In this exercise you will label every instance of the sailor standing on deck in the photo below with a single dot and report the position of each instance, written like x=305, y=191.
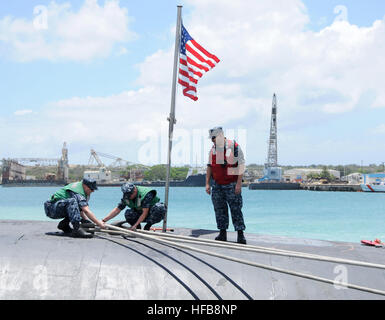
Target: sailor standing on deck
x=143, y=206
x=71, y=203
x=226, y=167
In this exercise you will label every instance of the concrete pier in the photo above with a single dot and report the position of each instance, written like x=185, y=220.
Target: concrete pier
x=332, y=187
x=36, y=264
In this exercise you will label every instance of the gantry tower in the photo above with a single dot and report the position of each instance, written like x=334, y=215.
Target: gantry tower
x=272, y=172
x=272, y=157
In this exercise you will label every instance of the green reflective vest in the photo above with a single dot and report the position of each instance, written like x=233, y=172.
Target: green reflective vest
x=137, y=202
x=62, y=193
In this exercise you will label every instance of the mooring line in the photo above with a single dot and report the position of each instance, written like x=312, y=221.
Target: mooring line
x=215, y=269
x=260, y=249
x=303, y=275
x=115, y=232
x=184, y=266
x=188, y=289
x=274, y=251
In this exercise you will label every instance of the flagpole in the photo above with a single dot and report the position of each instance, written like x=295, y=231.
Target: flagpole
x=171, y=118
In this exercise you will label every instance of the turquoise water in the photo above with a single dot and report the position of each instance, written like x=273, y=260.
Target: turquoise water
x=340, y=216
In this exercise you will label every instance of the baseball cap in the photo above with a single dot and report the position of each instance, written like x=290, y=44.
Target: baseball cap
x=128, y=189
x=215, y=132
x=90, y=184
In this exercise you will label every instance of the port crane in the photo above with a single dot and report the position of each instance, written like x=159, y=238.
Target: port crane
x=135, y=170
x=95, y=155
x=119, y=162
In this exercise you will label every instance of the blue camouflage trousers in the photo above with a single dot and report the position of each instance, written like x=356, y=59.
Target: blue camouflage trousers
x=155, y=214
x=62, y=209
x=223, y=196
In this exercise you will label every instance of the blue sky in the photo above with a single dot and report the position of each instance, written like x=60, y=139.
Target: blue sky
x=109, y=89
x=97, y=77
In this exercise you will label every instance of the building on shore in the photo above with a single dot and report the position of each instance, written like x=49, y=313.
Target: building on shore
x=100, y=176
x=13, y=171
x=374, y=178
x=301, y=174
x=353, y=178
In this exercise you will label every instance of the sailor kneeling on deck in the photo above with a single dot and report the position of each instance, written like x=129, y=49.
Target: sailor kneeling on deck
x=143, y=206
x=71, y=203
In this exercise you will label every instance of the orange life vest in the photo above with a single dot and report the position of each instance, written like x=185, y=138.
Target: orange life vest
x=224, y=164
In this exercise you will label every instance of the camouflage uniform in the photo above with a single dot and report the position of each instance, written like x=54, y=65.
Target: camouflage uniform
x=155, y=214
x=228, y=162
x=66, y=208
x=223, y=196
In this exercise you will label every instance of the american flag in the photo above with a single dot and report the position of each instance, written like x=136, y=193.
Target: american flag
x=194, y=61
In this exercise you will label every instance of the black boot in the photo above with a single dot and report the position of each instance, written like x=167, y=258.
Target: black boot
x=222, y=235
x=241, y=237
x=79, y=232
x=64, y=225
x=147, y=226
x=84, y=223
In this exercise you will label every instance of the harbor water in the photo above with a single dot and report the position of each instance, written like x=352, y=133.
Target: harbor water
x=336, y=216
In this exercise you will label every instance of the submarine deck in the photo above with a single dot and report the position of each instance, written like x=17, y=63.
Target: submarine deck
x=34, y=264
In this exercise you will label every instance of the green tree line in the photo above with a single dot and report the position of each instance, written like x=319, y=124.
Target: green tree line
x=158, y=172
x=324, y=175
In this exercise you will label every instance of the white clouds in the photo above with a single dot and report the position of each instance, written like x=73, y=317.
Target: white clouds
x=156, y=69
x=103, y=119
x=122, y=51
x=92, y=32
x=22, y=112
x=380, y=129
x=380, y=100
x=264, y=47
